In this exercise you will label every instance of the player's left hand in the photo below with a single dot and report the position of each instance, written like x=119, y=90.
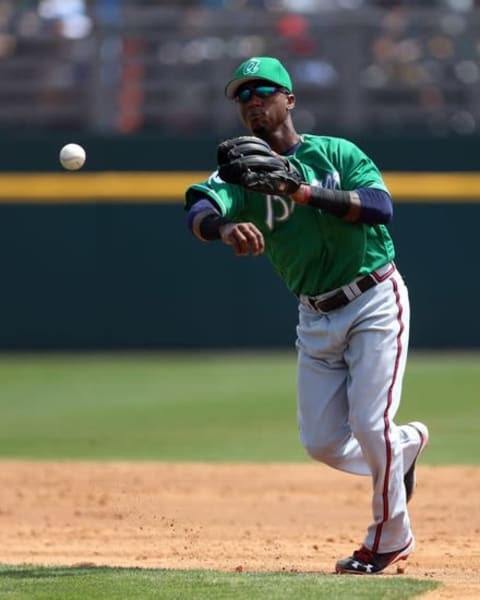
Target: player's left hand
x=249, y=161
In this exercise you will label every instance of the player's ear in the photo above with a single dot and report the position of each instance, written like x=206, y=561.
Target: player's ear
x=290, y=101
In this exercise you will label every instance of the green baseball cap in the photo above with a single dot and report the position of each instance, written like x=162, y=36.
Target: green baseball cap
x=259, y=67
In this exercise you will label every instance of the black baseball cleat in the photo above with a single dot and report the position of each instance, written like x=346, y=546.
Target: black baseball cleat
x=366, y=562
x=409, y=479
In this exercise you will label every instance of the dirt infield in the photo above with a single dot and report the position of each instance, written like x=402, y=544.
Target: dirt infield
x=229, y=517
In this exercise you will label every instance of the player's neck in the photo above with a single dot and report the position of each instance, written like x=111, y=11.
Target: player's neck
x=285, y=145
x=282, y=139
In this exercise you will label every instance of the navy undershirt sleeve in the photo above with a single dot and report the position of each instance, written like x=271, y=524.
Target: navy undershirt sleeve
x=376, y=206
x=200, y=205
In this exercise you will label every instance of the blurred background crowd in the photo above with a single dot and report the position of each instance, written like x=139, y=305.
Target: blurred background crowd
x=139, y=66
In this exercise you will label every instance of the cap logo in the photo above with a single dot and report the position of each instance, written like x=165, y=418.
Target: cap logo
x=251, y=67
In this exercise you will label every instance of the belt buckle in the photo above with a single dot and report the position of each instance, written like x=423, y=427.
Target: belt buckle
x=314, y=303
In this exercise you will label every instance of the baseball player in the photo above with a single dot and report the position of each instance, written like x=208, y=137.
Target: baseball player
x=318, y=207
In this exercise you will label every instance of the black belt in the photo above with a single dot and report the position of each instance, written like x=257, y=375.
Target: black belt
x=340, y=298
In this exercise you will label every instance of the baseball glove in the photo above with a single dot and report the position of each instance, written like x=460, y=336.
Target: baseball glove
x=248, y=161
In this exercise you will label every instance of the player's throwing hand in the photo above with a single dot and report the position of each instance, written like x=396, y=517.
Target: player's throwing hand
x=244, y=237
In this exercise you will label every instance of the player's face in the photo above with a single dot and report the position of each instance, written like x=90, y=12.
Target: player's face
x=263, y=106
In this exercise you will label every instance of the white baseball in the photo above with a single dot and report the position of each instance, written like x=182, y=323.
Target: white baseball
x=72, y=157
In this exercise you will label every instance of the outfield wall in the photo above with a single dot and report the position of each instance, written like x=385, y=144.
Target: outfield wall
x=103, y=260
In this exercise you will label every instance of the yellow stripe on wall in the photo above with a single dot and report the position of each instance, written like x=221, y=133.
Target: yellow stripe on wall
x=96, y=187
x=65, y=188
x=434, y=187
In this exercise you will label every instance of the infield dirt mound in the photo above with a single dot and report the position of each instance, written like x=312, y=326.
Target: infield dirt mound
x=244, y=517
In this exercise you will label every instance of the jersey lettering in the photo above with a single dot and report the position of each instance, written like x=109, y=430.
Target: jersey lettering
x=278, y=210
x=331, y=181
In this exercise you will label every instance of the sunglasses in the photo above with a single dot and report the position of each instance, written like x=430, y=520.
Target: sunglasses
x=261, y=91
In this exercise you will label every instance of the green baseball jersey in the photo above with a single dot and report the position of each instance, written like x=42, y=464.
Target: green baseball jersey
x=312, y=250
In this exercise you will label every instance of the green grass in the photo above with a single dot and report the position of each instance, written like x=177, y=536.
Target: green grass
x=442, y=390
x=221, y=407
x=34, y=583
x=156, y=406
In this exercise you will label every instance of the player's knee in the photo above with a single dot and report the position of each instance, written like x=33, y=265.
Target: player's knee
x=326, y=454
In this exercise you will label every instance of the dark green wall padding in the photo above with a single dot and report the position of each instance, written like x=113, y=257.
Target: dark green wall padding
x=24, y=153
x=131, y=276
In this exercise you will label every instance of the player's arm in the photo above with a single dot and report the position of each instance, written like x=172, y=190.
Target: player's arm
x=369, y=201
x=249, y=162
x=364, y=205
x=206, y=223
x=204, y=220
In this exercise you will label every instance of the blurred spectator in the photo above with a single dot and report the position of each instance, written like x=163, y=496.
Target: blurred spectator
x=138, y=65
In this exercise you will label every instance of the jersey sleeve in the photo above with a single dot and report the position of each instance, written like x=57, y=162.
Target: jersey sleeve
x=229, y=199
x=356, y=169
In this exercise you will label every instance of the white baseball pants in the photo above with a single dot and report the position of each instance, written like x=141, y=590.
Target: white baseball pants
x=351, y=363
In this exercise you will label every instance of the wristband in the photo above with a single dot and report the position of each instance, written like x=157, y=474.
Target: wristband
x=340, y=203
x=208, y=226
